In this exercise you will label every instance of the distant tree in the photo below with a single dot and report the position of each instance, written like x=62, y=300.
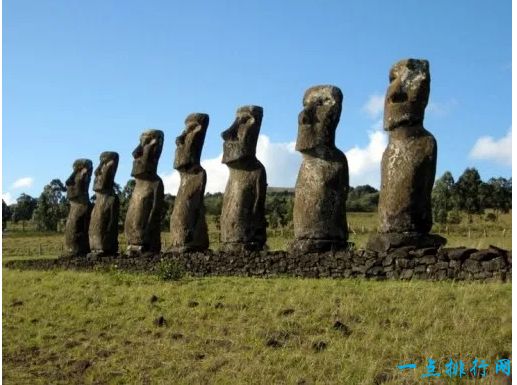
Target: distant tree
x=279, y=208
x=213, y=203
x=52, y=206
x=501, y=190
x=486, y=196
x=467, y=192
x=6, y=214
x=362, y=199
x=124, y=197
x=168, y=206
x=443, y=197
x=24, y=208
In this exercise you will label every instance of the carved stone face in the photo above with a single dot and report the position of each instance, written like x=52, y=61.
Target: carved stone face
x=240, y=140
x=190, y=143
x=318, y=120
x=147, y=154
x=408, y=94
x=77, y=184
x=105, y=172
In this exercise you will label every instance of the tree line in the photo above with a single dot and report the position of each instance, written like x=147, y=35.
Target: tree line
x=469, y=194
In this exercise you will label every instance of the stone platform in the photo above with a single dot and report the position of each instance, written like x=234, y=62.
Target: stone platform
x=404, y=263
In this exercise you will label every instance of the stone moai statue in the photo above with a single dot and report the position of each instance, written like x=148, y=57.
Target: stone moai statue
x=78, y=221
x=409, y=162
x=243, y=221
x=103, y=232
x=319, y=212
x=189, y=231
x=142, y=225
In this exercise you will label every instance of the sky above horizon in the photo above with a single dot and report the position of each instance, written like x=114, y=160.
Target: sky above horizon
x=80, y=78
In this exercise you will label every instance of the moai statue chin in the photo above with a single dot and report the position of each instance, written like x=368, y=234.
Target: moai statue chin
x=189, y=231
x=77, y=223
x=243, y=221
x=103, y=232
x=409, y=162
x=319, y=212
x=142, y=224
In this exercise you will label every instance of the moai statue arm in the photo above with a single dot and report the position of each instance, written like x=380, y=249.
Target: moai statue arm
x=155, y=213
x=260, y=188
x=198, y=202
x=114, y=213
x=346, y=177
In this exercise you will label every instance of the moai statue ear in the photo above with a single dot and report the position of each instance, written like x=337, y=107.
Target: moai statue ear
x=147, y=154
x=407, y=94
x=405, y=216
x=240, y=139
x=318, y=120
x=190, y=143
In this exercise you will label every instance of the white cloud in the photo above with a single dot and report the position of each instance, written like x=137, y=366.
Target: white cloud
x=216, y=177
x=374, y=106
x=441, y=109
x=280, y=160
x=8, y=198
x=23, y=182
x=498, y=150
x=364, y=164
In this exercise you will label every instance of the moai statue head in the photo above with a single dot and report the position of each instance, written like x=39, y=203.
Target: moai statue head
x=190, y=143
x=105, y=172
x=77, y=184
x=240, y=140
x=407, y=94
x=147, y=154
x=319, y=118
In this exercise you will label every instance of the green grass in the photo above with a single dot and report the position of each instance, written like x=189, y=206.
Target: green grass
x=480, y=234
x=100, y=328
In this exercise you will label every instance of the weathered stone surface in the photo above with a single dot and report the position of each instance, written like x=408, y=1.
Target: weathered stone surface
x=103, y=230
x=189, y=231
x=471, y=266
x=243, y=220
x=484, y=255
x=409, y=162
x=319, y=212
x=142, y=225
x=458, y=253
x=388, y=241
x=78, y=221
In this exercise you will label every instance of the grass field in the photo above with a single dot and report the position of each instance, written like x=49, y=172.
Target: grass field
x=93, y=328
x=63, y=327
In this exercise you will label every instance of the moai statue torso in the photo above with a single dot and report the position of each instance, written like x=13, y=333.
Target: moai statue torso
x=409, y=162
x=103, y=231
x=319, y=211
x=77, y=223
x=189, y=231
x=243, y=221
x=142, y=224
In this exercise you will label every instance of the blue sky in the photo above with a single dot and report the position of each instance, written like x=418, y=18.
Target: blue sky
x=82, y=77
